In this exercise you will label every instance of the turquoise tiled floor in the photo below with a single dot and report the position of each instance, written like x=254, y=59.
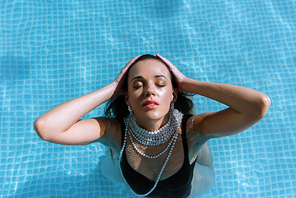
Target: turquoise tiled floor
x=53, y=51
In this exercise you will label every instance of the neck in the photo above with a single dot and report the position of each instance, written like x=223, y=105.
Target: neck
x=152, y=125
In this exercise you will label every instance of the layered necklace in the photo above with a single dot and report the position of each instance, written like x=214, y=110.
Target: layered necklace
x=152, y=138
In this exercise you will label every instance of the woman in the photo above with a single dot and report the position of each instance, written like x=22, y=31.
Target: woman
x=161, y=146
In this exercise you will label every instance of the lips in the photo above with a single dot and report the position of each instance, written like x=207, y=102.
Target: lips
x=150, y=104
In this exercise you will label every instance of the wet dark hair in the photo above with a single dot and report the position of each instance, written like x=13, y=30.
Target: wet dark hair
x=117, y=107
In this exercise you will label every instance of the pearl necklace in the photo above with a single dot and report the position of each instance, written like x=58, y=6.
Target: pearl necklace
x=177, y=121
x=150, y=138
x=174, y=121
x=153, y=138
x=173, y=140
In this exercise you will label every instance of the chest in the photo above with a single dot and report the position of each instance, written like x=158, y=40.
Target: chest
x=150, y=168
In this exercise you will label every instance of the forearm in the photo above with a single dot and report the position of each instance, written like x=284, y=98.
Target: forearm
x=240, y=99
x=63, y=116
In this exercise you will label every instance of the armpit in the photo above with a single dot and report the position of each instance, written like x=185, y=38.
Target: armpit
x=112, y=132
x=191, y=134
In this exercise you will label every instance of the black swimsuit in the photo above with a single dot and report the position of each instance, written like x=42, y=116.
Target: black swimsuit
x=177, y=185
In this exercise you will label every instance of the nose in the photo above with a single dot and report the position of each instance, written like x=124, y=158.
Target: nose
x=150, y=90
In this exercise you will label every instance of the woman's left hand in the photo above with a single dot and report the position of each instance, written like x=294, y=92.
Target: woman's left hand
x=179, y=77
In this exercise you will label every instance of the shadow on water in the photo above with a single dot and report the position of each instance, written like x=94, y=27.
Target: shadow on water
x=13, y=69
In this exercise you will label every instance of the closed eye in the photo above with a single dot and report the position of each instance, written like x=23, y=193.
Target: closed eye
x=137, y=87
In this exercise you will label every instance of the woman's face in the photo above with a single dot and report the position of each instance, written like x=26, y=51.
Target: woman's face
x=150, y=91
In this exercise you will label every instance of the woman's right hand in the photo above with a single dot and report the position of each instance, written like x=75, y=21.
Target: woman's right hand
x=119, y=80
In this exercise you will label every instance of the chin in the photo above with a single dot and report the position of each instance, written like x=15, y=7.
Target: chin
x=154, y=115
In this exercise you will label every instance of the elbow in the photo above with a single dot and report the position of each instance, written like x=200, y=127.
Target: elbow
x=264, y=104
x=39, y=126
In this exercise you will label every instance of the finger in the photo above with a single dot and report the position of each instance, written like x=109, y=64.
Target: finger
x=130, y=63
x=162, y=58
x=132, y=60
x=167, y=62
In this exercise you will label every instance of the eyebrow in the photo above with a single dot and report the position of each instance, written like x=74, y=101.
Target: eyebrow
x=141, y=77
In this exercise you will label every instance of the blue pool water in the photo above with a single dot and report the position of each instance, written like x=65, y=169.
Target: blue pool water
x=52, y=51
